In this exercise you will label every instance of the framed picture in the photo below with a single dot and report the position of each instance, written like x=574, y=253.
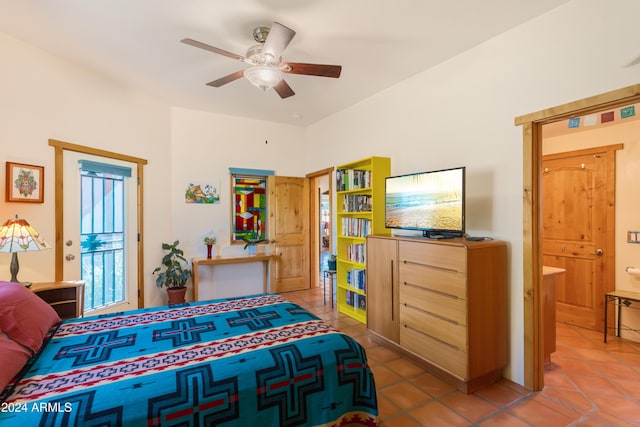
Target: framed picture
x=25, y=183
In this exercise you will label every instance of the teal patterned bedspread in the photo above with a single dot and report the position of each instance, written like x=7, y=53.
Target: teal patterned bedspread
x=251, y=361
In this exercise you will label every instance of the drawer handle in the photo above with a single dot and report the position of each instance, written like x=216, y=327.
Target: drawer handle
x=435, y=267
x=433, y=291
x=392, y=302
x=454, y=347
x=428, y=313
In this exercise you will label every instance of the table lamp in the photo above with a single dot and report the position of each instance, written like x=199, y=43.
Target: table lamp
x=16, y=235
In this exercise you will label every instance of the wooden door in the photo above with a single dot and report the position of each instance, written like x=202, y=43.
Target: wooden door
x=382, y=287
x=578, y=191
x=288, y=228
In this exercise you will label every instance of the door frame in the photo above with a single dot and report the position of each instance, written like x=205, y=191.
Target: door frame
x=59, y=148
x=314, y=221
x=532, y=227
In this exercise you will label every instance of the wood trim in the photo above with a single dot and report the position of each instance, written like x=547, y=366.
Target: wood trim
x=532, y=238
x=321, y=172
x=314, y=255
x=587, y=151
x=59, y=147
x=629, y=94
x=232, y=212
x=96, y=151
x=533, y=328
x=140, y=188
x=313, y=196
x=331, y=210
x=59, y=215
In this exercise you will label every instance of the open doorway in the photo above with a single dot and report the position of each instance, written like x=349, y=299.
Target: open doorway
x=325, y=226
x=321, y=222
x=578, y=223
x=532, y=227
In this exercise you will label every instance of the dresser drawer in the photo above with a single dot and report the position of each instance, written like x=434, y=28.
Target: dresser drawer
x=445, y=281
x=438, y=303
x=441, y=354
x=443, y=257
x=437, y=327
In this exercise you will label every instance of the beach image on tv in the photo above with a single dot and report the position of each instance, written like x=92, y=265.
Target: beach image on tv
x=425, y=201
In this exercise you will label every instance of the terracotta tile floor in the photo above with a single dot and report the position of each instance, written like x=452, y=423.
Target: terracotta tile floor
x=588, y=383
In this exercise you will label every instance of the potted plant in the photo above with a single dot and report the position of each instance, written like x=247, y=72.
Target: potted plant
x=172, y=274
x=250, y=242
x=209, y=240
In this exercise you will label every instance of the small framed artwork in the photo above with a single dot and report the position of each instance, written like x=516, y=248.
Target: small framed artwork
x=25, y=183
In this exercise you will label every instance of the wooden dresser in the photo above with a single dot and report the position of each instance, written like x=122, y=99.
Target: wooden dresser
x=443, y=302
x=66, y=298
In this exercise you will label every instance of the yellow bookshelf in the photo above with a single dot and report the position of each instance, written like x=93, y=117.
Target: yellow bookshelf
x=360, y=212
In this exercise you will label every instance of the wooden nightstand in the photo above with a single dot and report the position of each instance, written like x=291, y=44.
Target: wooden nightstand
x=66, y=298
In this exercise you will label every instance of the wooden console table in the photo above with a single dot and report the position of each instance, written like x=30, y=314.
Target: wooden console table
x=225, y=259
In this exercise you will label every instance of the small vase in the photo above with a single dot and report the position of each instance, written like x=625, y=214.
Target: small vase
x=209, y=248
x=252, y=249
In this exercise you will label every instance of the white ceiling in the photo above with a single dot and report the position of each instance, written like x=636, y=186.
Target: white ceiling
x=377, y=42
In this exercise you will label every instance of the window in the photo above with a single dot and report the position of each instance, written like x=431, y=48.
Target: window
x=249, y=203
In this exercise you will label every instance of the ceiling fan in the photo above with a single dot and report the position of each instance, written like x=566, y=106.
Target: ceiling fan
x=635, y=61
x=265, y=58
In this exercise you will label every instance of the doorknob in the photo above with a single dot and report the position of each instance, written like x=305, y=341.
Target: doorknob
x=599, y=252
x=70, y=257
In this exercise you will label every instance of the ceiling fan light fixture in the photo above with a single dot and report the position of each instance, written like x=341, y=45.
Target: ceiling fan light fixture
x=263, y=77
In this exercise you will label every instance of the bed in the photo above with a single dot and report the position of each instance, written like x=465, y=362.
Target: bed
x=252, y=361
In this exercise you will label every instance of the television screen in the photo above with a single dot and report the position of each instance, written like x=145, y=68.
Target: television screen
x=429, y=201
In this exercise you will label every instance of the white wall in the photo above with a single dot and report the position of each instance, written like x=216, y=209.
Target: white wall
x=44, y=97
x=462, y=113
x=205, y=146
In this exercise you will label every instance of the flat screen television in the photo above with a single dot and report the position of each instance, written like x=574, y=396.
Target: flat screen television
x=432, y=202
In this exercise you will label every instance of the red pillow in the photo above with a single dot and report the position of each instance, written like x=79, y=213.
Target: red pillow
x=24, y=316
x=12, y=358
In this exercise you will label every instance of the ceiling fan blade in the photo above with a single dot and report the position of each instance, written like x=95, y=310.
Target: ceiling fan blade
x=277, y=41
x=636, y=61
x=226, y=79
x=283, y=89
x=212, y=49
x=311, y=69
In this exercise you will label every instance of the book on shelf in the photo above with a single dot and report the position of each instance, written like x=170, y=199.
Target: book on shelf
x=356, y=203
x=356, y=278
x=352, y=179
x=356, y=227
x=361, y=302
x=356, y=300
x=357, y=253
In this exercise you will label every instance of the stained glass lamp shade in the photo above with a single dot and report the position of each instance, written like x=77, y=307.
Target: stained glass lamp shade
x=17, y=235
